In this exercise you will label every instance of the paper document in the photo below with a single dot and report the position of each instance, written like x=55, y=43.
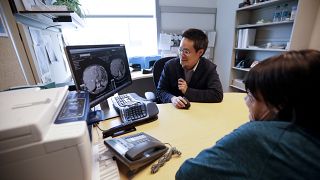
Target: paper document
x=104, y=167
x=165, y=41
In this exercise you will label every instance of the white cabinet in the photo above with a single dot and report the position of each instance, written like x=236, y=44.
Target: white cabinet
x=259, y=36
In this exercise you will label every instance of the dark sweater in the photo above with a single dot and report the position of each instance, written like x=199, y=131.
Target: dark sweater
x=204, y=86
x=258, y=150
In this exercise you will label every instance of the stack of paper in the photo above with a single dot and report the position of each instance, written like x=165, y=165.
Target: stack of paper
x=104, y=167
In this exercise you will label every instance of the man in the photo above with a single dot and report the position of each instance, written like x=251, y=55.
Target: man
x=191, y=75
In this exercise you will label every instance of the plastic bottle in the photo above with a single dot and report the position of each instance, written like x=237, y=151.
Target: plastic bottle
x=293, y=12
x=285, y=13
x=277, y=14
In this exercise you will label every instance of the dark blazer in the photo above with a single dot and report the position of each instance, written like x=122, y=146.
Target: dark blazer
x=204, y=86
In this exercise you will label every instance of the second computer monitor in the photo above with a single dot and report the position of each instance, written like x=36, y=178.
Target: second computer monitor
x=102, y=70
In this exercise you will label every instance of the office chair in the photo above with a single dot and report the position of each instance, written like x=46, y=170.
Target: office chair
x=156, y=73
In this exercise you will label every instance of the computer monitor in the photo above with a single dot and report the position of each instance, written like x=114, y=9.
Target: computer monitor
x=102, y=70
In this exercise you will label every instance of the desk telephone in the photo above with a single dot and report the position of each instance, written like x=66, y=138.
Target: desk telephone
x=136, y=151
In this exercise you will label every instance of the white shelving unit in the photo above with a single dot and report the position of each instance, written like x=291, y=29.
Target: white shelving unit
x=262, y=49
x=241, y=69
x=59, y=19
x=50, y=18
x=263, y=24
x=270, y=38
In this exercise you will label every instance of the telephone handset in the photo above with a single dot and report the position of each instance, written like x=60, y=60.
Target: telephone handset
x=136, y=151
x=143, y=148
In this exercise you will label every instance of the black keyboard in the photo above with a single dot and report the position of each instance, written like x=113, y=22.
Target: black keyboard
x=133, y=108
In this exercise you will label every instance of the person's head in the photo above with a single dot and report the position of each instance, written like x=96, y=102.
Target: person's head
x=193, y=45
x=285, y=87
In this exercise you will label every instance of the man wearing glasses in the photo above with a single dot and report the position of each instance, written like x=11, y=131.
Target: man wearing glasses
x=190, y=75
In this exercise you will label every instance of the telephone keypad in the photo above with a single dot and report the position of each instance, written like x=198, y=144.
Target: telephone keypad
x=132, y=141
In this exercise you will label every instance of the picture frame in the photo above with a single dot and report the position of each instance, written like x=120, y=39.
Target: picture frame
x=3, y=30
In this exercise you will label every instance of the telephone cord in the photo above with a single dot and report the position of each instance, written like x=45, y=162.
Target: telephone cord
x=163, y=159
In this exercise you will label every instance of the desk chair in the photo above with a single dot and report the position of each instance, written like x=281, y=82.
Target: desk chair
x=156, y=73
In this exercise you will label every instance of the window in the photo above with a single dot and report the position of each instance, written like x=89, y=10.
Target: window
x=128, y=22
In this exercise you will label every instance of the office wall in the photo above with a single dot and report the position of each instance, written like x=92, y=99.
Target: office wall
x=13, y=72
x=184, y=3
x=315, y=38
x=8, y=62
x=196, y=16
x=225, y=39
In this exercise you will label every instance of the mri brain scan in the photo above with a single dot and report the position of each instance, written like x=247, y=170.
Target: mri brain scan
x=118, y=69
x=95, y=78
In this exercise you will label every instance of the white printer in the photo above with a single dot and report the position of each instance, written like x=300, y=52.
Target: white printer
x=33, y=146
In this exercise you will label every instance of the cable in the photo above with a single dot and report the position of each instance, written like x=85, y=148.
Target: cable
x=96, y=124
x=165, y=158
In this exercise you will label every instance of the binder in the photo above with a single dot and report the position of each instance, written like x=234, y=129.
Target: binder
x=248, y=37
x=240, y=32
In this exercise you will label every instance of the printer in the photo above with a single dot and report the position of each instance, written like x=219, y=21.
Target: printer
x=33, y=145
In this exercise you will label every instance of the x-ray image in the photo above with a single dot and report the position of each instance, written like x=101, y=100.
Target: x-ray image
x=95, y=79
x=117, y=68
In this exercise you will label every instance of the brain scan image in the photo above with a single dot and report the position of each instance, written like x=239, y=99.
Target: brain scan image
x=95, y=78
x=117, y=68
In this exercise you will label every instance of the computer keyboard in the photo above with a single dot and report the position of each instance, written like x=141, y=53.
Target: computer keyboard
x=135, y=109
x=123, y=100
x=135, y=112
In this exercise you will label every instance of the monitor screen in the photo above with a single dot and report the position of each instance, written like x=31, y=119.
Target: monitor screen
x=102, y=70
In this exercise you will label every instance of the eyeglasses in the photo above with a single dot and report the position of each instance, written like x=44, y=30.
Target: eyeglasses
x=184, y=51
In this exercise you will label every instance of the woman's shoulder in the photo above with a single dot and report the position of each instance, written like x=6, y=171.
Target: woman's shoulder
x=271, y=132
x=260, y=126
x=260, y=130
x=265, y=127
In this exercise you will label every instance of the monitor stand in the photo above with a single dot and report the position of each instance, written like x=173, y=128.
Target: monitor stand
x=108, y=110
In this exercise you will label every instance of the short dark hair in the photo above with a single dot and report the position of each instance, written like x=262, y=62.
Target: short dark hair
x=289, y=82
x=199, y=38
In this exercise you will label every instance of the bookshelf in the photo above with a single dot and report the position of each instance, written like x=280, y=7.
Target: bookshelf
x=269, y=38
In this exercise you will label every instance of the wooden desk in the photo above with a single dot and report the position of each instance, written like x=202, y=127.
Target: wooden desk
x=190, y=131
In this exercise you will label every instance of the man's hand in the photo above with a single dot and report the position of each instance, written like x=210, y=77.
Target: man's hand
x=182, y=85
x=178, y=102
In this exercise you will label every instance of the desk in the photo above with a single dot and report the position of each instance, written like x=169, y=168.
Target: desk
x=190, y=131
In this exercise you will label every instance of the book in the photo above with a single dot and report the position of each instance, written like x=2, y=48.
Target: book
x=248, y=37
x=240, y=32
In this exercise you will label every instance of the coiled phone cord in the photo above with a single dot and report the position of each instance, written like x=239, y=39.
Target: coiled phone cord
x=163, y=159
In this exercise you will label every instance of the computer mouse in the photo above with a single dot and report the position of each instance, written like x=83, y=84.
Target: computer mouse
x=187, y=105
